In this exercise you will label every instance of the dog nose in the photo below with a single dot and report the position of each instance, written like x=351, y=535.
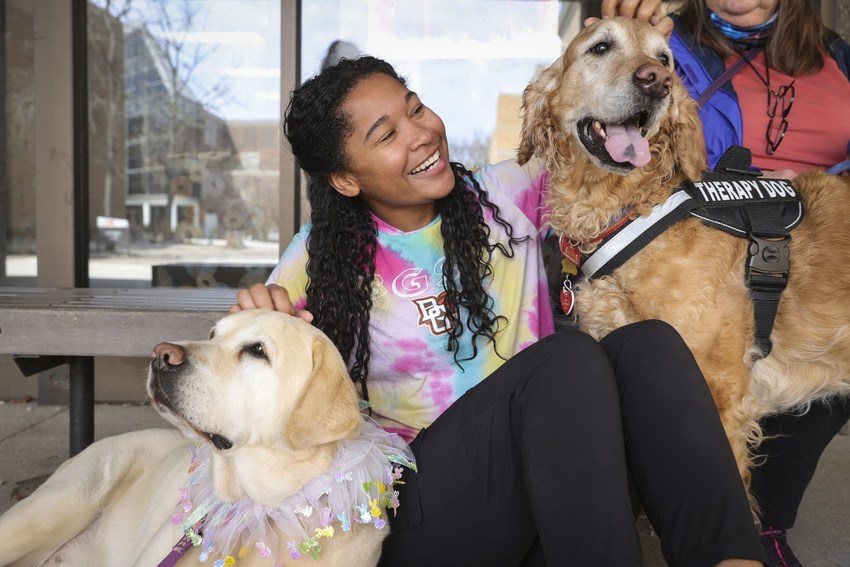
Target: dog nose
x=168, y=356
x=655, y=80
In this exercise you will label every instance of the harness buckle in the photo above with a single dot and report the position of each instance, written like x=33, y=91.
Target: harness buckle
x=767, y=277
x=768, y=256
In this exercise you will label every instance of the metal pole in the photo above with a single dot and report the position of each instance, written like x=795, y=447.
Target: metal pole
x=5, y=217
x=289, y=207
x=80, y=96
x=81, y=401
x=297, y=173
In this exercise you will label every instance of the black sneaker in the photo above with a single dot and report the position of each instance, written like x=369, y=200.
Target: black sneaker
x=779, y=554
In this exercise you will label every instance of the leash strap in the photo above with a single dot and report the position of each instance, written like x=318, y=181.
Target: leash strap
x=192, y=536
x=839, y=167
x=765, y=293
x=727, y=75
x=177, y=552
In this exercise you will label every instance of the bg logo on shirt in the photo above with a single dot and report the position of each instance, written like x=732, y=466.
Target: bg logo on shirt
x=432, y=312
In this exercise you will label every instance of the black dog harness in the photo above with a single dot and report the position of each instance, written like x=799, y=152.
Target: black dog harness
x=734, y=199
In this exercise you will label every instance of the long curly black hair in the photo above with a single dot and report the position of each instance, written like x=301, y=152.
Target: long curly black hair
x=343, y=239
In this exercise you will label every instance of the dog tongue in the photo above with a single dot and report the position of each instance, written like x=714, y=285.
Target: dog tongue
x=625, y=143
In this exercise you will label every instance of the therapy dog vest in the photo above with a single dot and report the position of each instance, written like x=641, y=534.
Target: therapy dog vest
x=734, y=199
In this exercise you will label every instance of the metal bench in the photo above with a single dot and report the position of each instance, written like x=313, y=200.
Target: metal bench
x=45, y=327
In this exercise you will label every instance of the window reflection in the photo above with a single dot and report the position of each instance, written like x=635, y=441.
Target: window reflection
x=842, y=19
x=185, y=106
x=17, y=181
x=192, y=136
x=468, y=59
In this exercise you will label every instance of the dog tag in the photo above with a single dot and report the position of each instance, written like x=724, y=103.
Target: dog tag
x=568, y=268
x=567, y=298
x=570, y=251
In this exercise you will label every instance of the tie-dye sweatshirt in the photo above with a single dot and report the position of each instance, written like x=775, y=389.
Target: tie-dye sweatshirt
x=412, y=377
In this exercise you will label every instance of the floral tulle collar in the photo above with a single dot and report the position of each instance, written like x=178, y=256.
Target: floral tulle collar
x=357, y=488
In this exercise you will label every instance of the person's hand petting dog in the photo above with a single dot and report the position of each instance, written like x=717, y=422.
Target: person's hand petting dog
x=271, y=297
x=644, y=10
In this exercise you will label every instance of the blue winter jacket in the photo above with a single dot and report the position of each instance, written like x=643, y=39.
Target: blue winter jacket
x=698, y=67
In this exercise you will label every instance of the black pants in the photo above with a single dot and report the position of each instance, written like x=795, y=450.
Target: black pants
x=545, y=445
x=792, y=453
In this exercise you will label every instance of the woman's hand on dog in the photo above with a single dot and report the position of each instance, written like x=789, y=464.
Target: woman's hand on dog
x=270, y=296
x=644, y=10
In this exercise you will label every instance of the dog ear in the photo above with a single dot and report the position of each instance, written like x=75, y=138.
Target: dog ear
x=537, y=127
x=327, y=409
x=682, y=130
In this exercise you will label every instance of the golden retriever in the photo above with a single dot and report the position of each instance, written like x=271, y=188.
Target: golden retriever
x=616, y=79
x=272, y=395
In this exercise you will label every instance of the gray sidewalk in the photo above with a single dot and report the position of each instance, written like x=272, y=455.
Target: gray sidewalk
x=34, y=441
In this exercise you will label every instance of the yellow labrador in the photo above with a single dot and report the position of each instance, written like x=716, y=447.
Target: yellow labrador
x=271, y=404
x=618, y=132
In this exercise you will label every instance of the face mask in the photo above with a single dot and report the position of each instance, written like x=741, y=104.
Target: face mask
x=745, y=37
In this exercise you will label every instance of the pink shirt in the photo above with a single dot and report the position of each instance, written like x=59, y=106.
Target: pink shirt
x=818, y=122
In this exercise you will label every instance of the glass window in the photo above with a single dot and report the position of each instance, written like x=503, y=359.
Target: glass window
x=135, y=127
x=182, y=96
x=134, y=156
x=469, y=60
x=842, y=19
x=135, y=183
x=17, y=170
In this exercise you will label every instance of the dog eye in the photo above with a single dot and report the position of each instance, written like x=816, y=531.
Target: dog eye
x=600, y=48
x=664, y=58
x=256, y=350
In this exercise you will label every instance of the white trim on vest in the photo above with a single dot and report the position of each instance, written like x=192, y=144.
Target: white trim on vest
x=632, y=231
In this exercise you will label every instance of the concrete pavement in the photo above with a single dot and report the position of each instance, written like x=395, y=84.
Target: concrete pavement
x=34, y=441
